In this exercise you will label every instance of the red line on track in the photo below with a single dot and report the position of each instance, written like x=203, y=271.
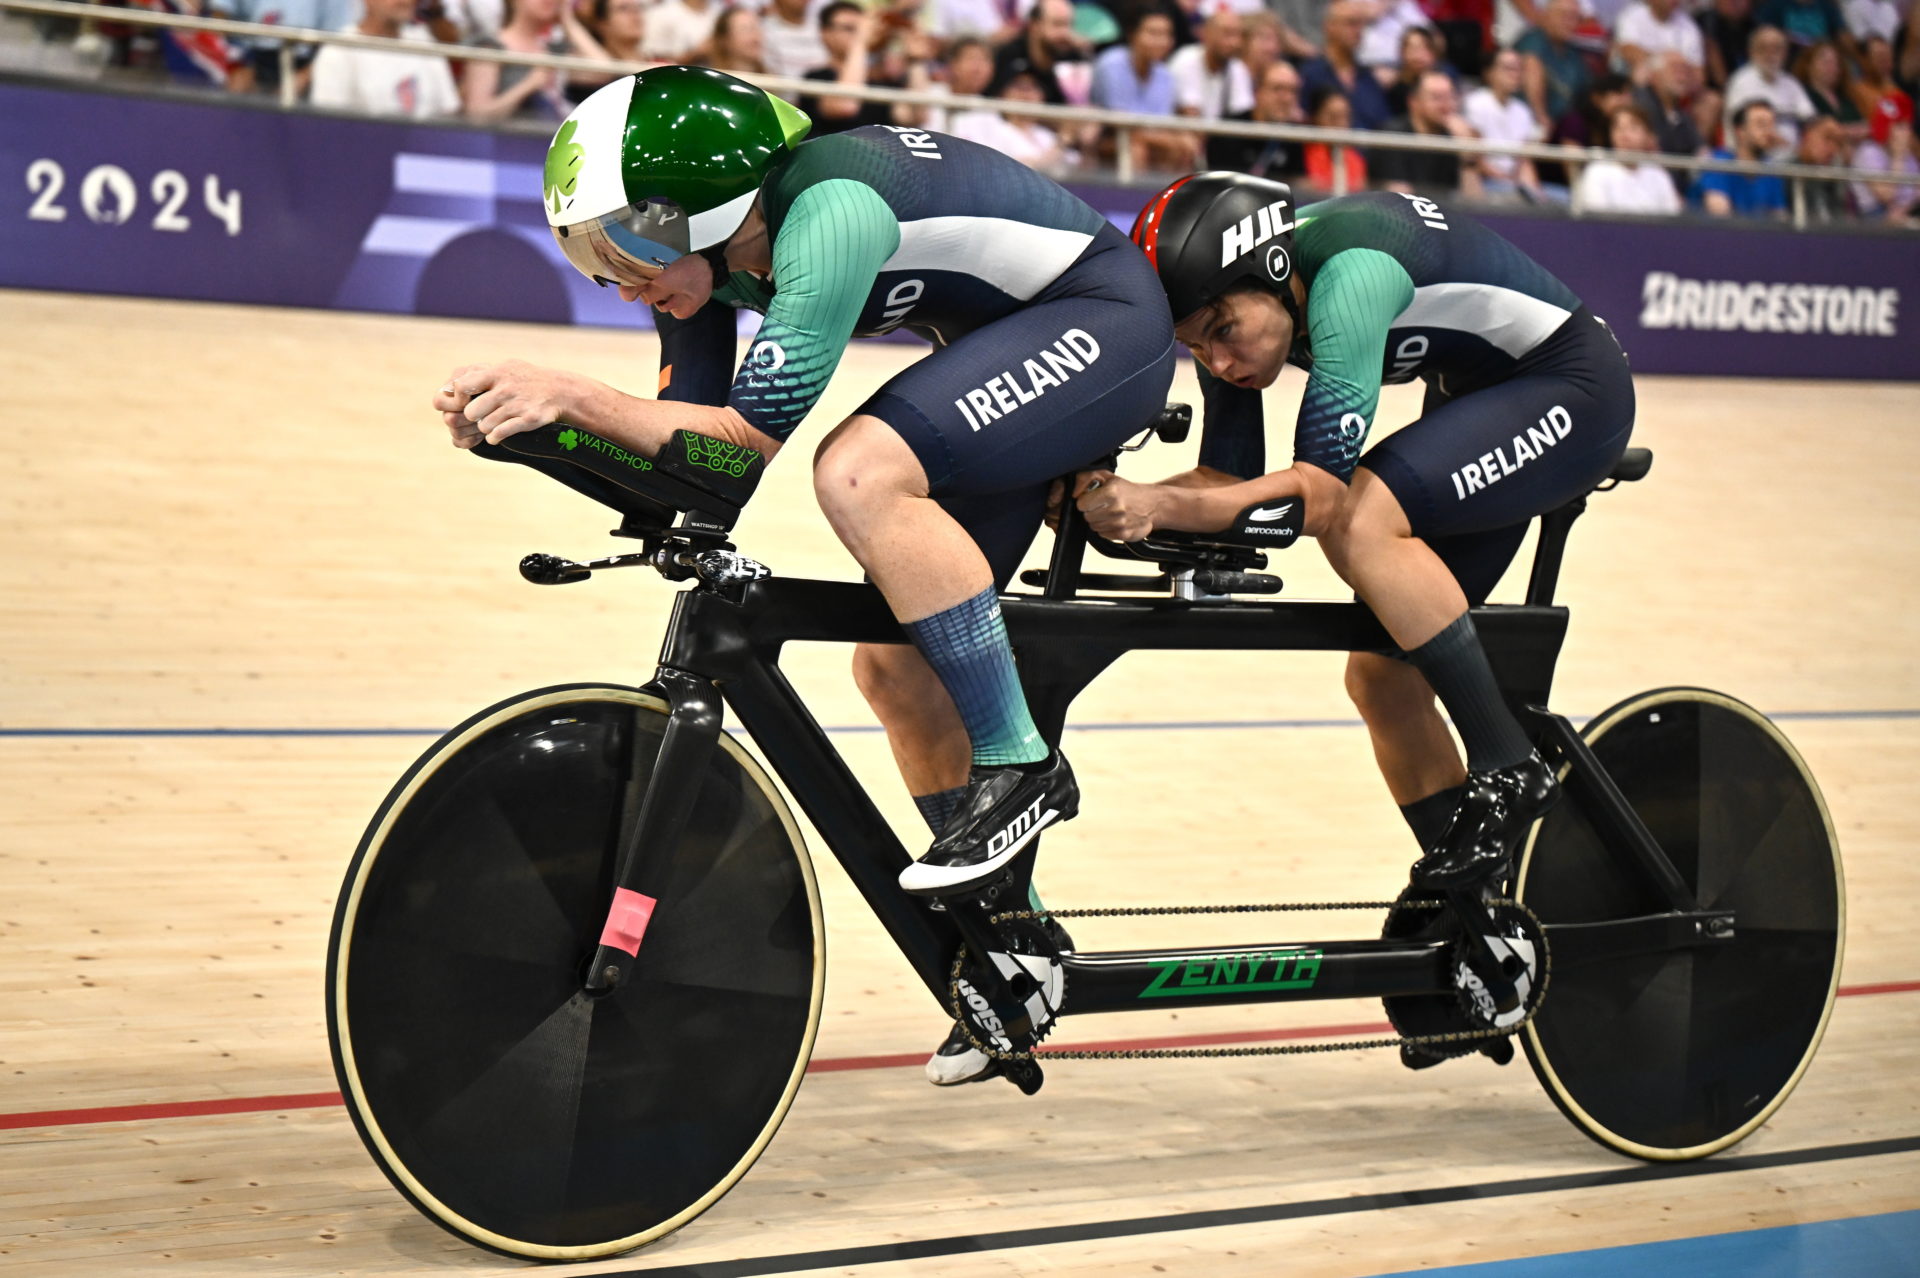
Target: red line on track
x=324, y=1100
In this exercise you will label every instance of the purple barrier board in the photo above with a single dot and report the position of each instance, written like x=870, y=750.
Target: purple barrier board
x=221, y=202
x=225, y=202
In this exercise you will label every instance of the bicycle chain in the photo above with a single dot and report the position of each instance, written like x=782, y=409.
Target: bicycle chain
x=956, y=1005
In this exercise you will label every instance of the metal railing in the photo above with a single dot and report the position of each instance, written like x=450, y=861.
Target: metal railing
x=1123, y=123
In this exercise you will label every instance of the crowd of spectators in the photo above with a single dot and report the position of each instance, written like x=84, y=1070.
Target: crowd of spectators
x=1822, y=82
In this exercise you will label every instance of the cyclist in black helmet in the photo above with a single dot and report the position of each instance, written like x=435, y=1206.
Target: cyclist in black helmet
x=1528, y=404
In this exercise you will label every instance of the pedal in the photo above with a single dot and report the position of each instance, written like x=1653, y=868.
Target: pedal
x=1025, y=1075
x=1498, y=1050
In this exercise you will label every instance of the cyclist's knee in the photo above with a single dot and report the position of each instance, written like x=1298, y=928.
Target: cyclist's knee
x=863, y=460
x=1367, y=518
x=1384, y=689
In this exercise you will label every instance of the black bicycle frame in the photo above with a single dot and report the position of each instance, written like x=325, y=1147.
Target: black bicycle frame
x=730, y=638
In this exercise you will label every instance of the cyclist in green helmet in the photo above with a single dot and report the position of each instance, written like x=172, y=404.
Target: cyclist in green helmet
x=700, y=195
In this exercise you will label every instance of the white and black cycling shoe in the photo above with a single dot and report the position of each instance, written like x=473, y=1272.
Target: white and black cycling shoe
x=958, y=1061
x=1002, y=812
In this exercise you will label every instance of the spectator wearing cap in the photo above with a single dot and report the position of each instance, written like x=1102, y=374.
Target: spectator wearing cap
x=676, y=29
x=1042, y=46
x=1617, y=186
x=1890, y=149
x=1339, y=66
x=1133, y=76
x=1025, y=138
x=1330, y=110
x=1765, y=79
x=847, y=31
x=1823, y=144
x=1276, y=100
x=1555, y=73
x=1743, y=194
x=1498, y=113
x=381, y=82
x=790, y=37
x=1209, y=79
x=1432, y=111
x=1726, y=28
x=1650, y=27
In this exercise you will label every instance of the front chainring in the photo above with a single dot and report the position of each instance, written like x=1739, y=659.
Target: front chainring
x=1008, y=1011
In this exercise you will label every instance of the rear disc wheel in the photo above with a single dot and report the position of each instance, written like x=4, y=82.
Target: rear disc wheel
x=1681, y=1053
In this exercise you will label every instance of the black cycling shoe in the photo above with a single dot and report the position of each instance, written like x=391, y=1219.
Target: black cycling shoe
x=1003, y=810
x=1497, y=1050
x=1494, y=815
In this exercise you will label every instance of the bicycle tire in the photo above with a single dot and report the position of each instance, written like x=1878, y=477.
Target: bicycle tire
x=500, y=1099
x=1679, y=1054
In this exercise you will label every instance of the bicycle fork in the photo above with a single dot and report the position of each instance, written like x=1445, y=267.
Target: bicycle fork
x=667, y=798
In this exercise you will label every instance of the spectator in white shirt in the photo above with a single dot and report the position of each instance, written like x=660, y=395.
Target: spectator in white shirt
x=1611, y=186
x=1024, y=138
x=379, y=82
x=1655, y=26
x=790, y=35
x=1765, y=79
x=675, y=29
x=1868, y=18
x=987, y=20
x=1209, y=79
x=1498, y=113
x=1380, y=45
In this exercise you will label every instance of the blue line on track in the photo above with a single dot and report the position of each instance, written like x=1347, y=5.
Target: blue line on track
x=1864, y=1247
x=855, y=729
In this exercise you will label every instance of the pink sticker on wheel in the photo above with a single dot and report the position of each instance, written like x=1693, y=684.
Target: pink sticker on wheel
x=627, y=920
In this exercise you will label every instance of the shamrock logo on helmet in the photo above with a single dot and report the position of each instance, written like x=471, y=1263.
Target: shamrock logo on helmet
x=563, y=165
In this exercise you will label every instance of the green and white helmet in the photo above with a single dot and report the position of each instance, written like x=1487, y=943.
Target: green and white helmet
x=660, y=164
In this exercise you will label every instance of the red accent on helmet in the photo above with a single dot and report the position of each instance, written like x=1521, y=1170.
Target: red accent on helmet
x=1146, y=227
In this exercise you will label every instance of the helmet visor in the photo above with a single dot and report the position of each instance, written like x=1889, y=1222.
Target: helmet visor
x=627, y=245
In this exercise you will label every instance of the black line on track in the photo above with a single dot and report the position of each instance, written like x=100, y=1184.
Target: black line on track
x=1053, y=1235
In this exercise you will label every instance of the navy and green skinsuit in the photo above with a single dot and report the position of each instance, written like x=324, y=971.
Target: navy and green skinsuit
x=1053, y=343
x=1529, y=402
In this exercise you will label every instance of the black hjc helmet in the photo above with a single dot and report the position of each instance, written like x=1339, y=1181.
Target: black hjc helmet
x=1212, y=232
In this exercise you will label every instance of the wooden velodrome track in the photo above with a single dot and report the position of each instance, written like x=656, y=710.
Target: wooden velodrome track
x=245, y=519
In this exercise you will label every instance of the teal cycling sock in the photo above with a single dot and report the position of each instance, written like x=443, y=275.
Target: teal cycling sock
x=967, y=647
x=1456, y=665
x=937, y=807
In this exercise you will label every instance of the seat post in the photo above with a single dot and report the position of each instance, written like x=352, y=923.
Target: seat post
x=1554, y=526
x=1069, y=547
